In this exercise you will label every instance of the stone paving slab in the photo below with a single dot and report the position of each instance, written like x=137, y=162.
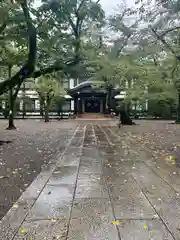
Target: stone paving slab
x=63, y=175
x=90, y=166
x=129, y=201
x=53, y=202
x=169, y=172
x=43, y=229
x=91, y=186
x=143, y=229
x=92, y=219
x=70, y=158
x=151, y=183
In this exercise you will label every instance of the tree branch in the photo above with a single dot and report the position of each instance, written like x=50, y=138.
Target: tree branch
x=170, y=30
x=80, y=5
x=124, y=44
x=28, y=67
x=3, y=26
x=16, y=91
x=54, y=68
x=155, y=61
x=160, y=38
x=51, y=97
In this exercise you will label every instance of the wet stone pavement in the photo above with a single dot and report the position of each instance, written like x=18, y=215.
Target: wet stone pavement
x=100, y=188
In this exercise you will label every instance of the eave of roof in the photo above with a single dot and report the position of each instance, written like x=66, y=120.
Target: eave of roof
x=84, y=84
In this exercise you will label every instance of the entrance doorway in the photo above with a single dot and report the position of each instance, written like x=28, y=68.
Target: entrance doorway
x=92, y=105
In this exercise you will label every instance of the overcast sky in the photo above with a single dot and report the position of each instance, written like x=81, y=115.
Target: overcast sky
x=108, y=5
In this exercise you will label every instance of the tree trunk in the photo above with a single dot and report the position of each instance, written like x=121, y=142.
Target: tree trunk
x=46, y=111
x=124, y=117
x=12, y=99
x=41, y=110
x=109, y=99
x=135, y=111
x=24, y=105
x=24, y=110
x=60, y=116
x=178, y=109
x=11, y=125
x=29, y=66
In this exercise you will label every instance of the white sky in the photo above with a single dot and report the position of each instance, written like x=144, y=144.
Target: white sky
x=110, y=5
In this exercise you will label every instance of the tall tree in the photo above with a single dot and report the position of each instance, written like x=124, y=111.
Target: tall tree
x=28, y=67
x=161, y=27
x=65, y=23
x=122, y=33
x=48, y=89
x=13, y=51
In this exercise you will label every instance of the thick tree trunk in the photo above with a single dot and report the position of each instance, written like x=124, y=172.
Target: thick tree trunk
x=124, y=116
x=28, y=68
x=46, y=112
x=11, y=125
x=125, y=119
x=11, y=121
x=46, y=116
x=12, y=100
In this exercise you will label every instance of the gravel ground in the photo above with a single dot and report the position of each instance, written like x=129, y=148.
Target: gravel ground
x=160, y=138
x=32, y=145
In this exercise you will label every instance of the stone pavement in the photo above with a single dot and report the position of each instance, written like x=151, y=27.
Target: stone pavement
x=99, y=188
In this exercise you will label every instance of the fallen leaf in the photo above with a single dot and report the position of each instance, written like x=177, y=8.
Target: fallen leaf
x=53, y=220
x=145, y=226
x=15, y=206
x=22, y=230
x=116, y=222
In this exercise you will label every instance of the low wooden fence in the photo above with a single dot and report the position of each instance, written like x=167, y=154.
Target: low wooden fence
x=37, y=115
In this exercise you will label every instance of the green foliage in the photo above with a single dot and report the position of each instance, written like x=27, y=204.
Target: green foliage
x=63, y=27
x=48, y=88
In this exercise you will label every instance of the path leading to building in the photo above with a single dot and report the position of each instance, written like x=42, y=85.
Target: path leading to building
x=104, y=186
